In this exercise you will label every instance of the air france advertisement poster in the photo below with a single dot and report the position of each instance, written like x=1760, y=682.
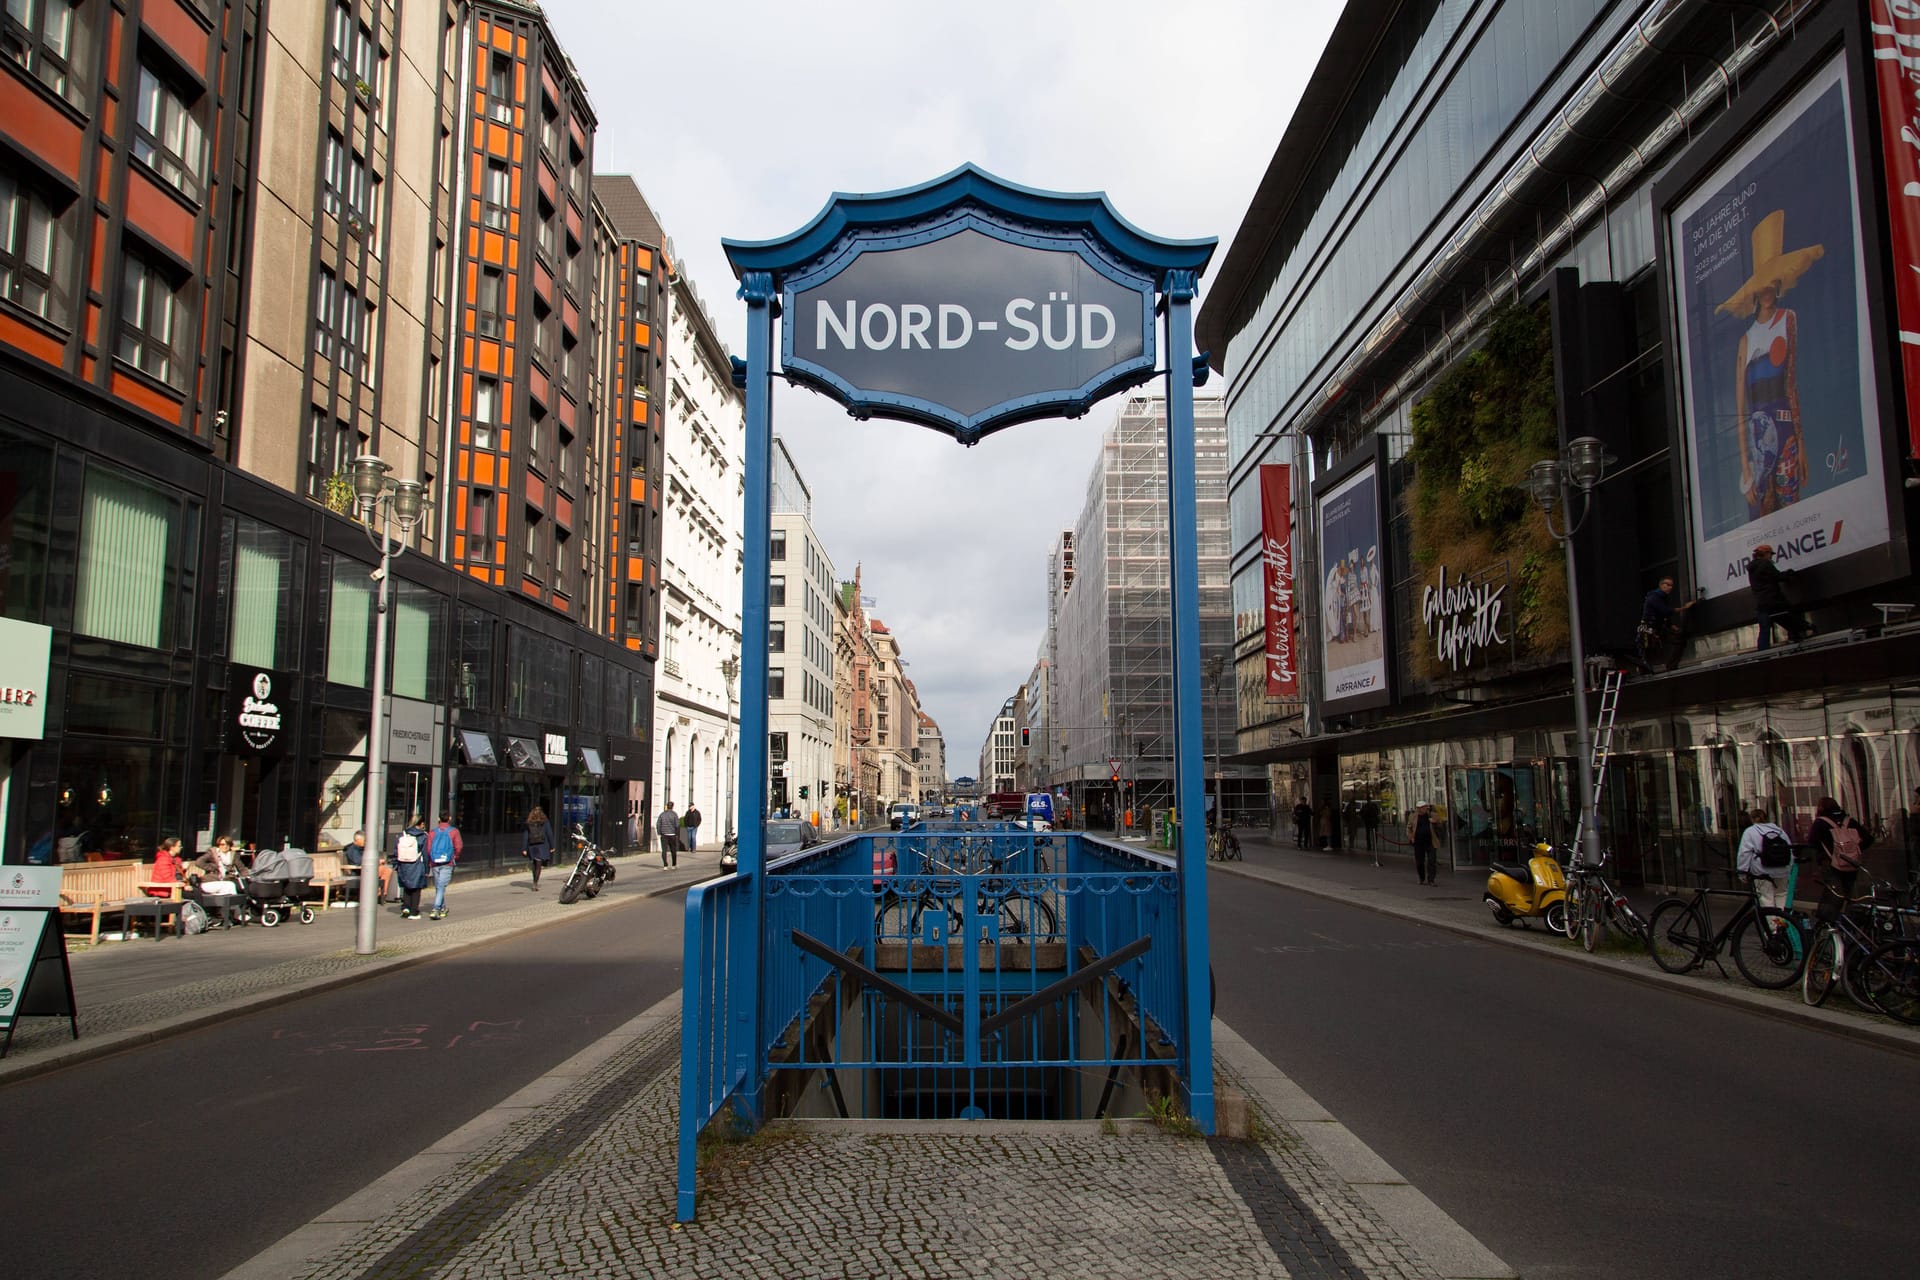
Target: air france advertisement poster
x=1353, y=625
x=1776, y=370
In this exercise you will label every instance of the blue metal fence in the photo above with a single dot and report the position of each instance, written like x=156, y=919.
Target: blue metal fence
x=957, y=970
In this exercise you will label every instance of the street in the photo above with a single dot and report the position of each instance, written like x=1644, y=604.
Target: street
x=1579, y=1124
x=186, y=1157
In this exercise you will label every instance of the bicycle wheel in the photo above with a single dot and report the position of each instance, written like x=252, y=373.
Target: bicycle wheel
x=1823, y=966
x=1766, y=950
x=1677, y=936
x=1892, y=978
x=1622, y=916
x=1579, y=897
x=1593, y=919
x=893, y=917
x=1027, y=919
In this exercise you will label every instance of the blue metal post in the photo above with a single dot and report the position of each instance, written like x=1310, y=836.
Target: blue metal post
x=743, y=969
x=1190, y=779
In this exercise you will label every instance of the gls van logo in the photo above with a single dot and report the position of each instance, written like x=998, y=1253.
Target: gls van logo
x=1787, y=550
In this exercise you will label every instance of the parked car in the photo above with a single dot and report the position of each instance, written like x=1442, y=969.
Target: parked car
x=788, y=835
x=901, y=814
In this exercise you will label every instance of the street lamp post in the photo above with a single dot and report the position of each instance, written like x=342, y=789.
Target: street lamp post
x=1552, y=482
x=392, y=503
x=730, y=672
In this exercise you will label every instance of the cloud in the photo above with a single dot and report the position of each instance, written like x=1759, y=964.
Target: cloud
x=741, y=120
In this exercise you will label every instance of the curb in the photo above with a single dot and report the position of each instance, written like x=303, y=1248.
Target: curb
x=75, y=1052
x=1847, y=1026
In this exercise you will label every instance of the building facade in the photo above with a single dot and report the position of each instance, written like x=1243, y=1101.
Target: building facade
x=933, y=761
x=996, y=753
x=1712, y=298
x=1109, y=743
x=800, y=645
x=246, y=244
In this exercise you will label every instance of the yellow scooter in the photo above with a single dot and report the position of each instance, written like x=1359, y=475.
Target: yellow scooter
x=1536, y=891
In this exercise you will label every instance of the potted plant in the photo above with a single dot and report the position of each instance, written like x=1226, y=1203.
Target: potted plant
x=336, y=491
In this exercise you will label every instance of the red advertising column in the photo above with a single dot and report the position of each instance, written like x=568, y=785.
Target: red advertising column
x=1895, y=28
x=1276, y=525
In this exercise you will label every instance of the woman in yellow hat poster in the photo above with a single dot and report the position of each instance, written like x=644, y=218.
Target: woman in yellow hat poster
x=1766, y=396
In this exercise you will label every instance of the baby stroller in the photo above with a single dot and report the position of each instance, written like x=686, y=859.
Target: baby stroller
x=279, y=884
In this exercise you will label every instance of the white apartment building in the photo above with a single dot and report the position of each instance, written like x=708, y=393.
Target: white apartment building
x=933, y=761
x=700, y=569
x=800, y=658
x=996, y=755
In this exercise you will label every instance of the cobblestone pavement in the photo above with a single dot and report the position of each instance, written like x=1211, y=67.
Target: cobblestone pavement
x=581, y=1184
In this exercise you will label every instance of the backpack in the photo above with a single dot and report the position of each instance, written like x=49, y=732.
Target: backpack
x=408, y=849
x=193, y=917
x=1775, y=850
x=440, y=851
x=1848, y=853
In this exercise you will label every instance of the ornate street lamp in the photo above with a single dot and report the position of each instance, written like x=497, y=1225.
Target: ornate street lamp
x=730, y=672
x=1553, y=482
x=384, y=504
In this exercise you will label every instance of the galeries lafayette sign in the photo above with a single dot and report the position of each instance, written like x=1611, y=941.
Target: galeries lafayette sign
x=1462, y=618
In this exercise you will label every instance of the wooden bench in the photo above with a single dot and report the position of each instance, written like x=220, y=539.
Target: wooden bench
x=331, y=875
x=94, y=888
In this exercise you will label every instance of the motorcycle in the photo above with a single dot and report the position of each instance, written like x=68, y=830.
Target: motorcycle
x=591, y=870
x=730, y=855
x=1535, y=891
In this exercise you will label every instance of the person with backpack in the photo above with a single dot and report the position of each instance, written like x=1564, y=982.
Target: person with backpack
x=690, y=827
x=537, y=847
x=410, y=866
x=1765, y=856
x=1842, y=841
x=443, y=850
x=668, y=826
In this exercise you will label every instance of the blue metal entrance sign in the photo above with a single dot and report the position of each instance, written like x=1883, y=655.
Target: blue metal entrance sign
x=966, y=304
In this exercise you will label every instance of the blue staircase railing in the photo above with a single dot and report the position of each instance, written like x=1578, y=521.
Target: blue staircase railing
x=968, y=970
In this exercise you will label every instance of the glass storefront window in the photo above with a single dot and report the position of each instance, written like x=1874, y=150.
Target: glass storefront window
x=116, y=800
x=476, y=660
x=350, y=624
x=539, y=676
x=263, y=572
x=26, y=491
x=134, y=538
x=419, y=641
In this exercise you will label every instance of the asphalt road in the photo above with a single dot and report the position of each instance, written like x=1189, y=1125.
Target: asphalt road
x=187, y=1157
x=1579, y=1124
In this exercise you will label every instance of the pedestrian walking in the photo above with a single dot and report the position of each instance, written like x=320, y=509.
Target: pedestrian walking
x=668, y=825
x=537, y=846
x=410, y=866
x=1770, y=604
x=1841, y=842
x=1325, y=820
x=1370, y=822
x=443, y=850
x=1420, y=835
x=690, y=827
x=1302, y=823
x=1765, y=856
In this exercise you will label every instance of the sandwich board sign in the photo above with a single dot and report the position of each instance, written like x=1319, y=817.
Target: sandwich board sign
x=34, y=978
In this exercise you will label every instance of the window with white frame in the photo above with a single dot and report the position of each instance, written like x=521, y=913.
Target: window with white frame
x=496, y=194
x=536, y=543
x=347, y=193
x=490, y=304
x=149, y=320
x=43, y=36
x=166, y=133
x=31, y=243
x=500, y=87
x=342, y=326
x=356, y=55
x=486, y=411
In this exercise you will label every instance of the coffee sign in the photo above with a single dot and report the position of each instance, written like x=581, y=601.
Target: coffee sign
x=1463, y=618
x=25, y=648
x=258, y=721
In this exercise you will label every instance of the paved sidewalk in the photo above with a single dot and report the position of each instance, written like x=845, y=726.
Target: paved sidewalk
x=1350, y=876
x=574, y=1176
x=139, y=990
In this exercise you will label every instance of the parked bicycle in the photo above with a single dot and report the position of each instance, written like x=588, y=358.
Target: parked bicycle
x=1017, y=902
x=1223, y=845
x=1594, y=905
x=1866, y=946
x=1765, y=941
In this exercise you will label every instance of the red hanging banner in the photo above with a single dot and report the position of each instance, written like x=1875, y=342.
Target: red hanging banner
x=1276, y=525
x=1895, y=28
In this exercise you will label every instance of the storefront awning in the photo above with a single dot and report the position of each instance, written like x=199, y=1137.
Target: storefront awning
x=524, y=753
x=477, y=747
x=590, y=761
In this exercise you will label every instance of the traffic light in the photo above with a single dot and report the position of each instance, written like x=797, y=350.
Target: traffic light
x=803, y=791
x=1026, y=736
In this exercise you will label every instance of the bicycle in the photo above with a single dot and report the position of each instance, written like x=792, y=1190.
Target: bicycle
x=1016, y=901
x=1765, y=941
x=1876, y=961
x=1223, y=845
x=1594, y=904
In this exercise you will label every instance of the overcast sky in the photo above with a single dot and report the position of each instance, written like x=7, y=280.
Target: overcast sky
x=741, y=119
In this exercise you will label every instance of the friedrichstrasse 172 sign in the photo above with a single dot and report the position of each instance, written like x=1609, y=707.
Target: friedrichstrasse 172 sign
x=979, y=321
